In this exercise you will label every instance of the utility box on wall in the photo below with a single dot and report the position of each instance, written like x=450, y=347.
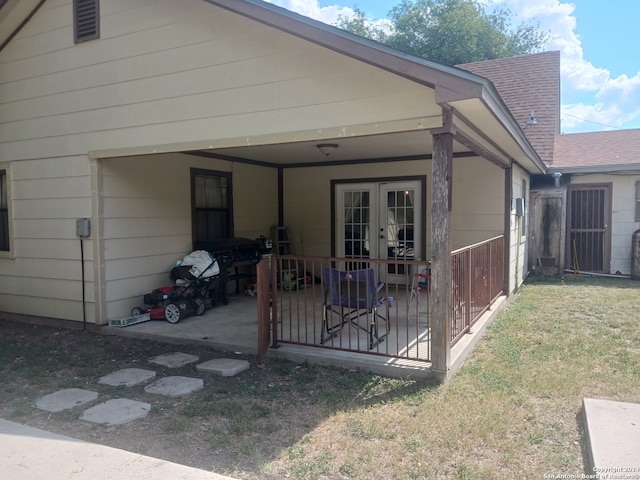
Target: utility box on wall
x=547, y=211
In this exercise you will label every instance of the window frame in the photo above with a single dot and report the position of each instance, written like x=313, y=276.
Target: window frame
x=196, y=172
x=8, y=253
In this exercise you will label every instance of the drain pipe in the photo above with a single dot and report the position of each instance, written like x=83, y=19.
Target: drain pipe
x=556, y=178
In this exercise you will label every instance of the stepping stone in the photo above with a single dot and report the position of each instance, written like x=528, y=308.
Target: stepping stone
x=175, y=386
x=174, y=360
x=127, y=377
x=225, y=367
x=65, y=399
x=116, y=412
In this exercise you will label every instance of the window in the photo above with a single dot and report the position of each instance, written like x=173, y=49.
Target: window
x=637, y=201
x=86, y=20
x=211, y=199
x=4, y=212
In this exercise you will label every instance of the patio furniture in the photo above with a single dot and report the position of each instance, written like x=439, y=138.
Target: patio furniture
x=350, y=295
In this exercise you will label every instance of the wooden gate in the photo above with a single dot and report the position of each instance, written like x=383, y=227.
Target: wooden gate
x=588, y=232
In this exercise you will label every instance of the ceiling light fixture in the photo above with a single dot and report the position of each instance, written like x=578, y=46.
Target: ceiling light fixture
x=327, y=148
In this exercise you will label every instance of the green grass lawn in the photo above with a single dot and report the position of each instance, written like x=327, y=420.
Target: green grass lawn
x=512, y=411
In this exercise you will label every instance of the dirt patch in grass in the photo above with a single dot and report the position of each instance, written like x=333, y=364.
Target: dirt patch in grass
x=236, y=425
x=513, y=411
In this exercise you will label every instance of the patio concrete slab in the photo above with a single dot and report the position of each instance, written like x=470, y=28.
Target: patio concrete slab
x=116, y=412
x=174, y=360
x=613, y=437
x=32, y=454
x=65, y=399
x=175, y=386
x=128, y=377
x=225, y=367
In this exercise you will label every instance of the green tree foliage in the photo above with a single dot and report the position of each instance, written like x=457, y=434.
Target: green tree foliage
x=450, y=31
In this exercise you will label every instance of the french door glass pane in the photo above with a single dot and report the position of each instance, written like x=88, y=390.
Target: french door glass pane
x=357, y=209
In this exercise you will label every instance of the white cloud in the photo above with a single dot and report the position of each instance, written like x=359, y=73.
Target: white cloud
x=312, y=9
x=612, y=100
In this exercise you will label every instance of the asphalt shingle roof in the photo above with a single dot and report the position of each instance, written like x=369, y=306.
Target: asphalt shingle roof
x=528, y=83
x=598, y=149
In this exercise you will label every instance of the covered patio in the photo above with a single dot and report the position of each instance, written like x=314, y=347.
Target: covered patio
x=291, y=321
x=246, y=117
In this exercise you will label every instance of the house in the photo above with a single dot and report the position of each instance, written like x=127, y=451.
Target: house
x=130, y=130
x=600, y=175
x=584, y=210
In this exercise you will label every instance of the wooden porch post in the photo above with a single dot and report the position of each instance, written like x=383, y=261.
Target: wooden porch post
x=441, y=193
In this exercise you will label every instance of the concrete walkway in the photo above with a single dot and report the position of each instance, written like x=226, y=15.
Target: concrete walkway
x=613, y=438
x=27, y=453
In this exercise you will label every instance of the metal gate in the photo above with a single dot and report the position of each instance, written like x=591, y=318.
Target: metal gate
x=589, y=235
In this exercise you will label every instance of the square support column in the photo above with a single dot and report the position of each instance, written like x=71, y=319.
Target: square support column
x=441, y=193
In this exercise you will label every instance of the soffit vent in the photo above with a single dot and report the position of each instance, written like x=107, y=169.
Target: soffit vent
x=86, y=20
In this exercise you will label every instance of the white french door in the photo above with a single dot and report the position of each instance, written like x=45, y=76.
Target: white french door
x=379, y=220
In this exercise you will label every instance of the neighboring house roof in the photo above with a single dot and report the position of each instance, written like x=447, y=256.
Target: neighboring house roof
x=615, y=150
x=528, y=83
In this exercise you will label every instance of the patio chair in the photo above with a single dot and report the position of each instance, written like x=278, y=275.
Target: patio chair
x=420, y=284
x=350, y=295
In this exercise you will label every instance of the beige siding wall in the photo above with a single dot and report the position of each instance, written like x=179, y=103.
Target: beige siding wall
x=518, y=265
x=307, y=198
x=147, y=218
x=164, y=76
x=144, y=227
x=187, y=73
x=478, y=201
x=44, y=276
x=623, y=222
x=478, y=205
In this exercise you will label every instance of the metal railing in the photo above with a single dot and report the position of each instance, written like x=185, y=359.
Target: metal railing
x=300, y=303
x=477, y=273
x=384, y=312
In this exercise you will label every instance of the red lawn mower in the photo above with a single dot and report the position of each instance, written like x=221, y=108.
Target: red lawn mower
x=197, y=287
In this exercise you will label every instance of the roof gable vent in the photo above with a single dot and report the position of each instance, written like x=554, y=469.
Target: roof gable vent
x=86, y=20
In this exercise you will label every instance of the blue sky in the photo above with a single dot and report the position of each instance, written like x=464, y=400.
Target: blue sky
x=600, y=69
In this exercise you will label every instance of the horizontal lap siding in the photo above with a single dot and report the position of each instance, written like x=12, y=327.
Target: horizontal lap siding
x=147, y=218
x=163, y=73
x=478, y=206
x=147, y=225
x=173, y=72
x=308, y=197
x=44, y=278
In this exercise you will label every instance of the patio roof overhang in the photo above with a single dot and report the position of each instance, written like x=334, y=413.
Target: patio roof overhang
x=484, y=125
